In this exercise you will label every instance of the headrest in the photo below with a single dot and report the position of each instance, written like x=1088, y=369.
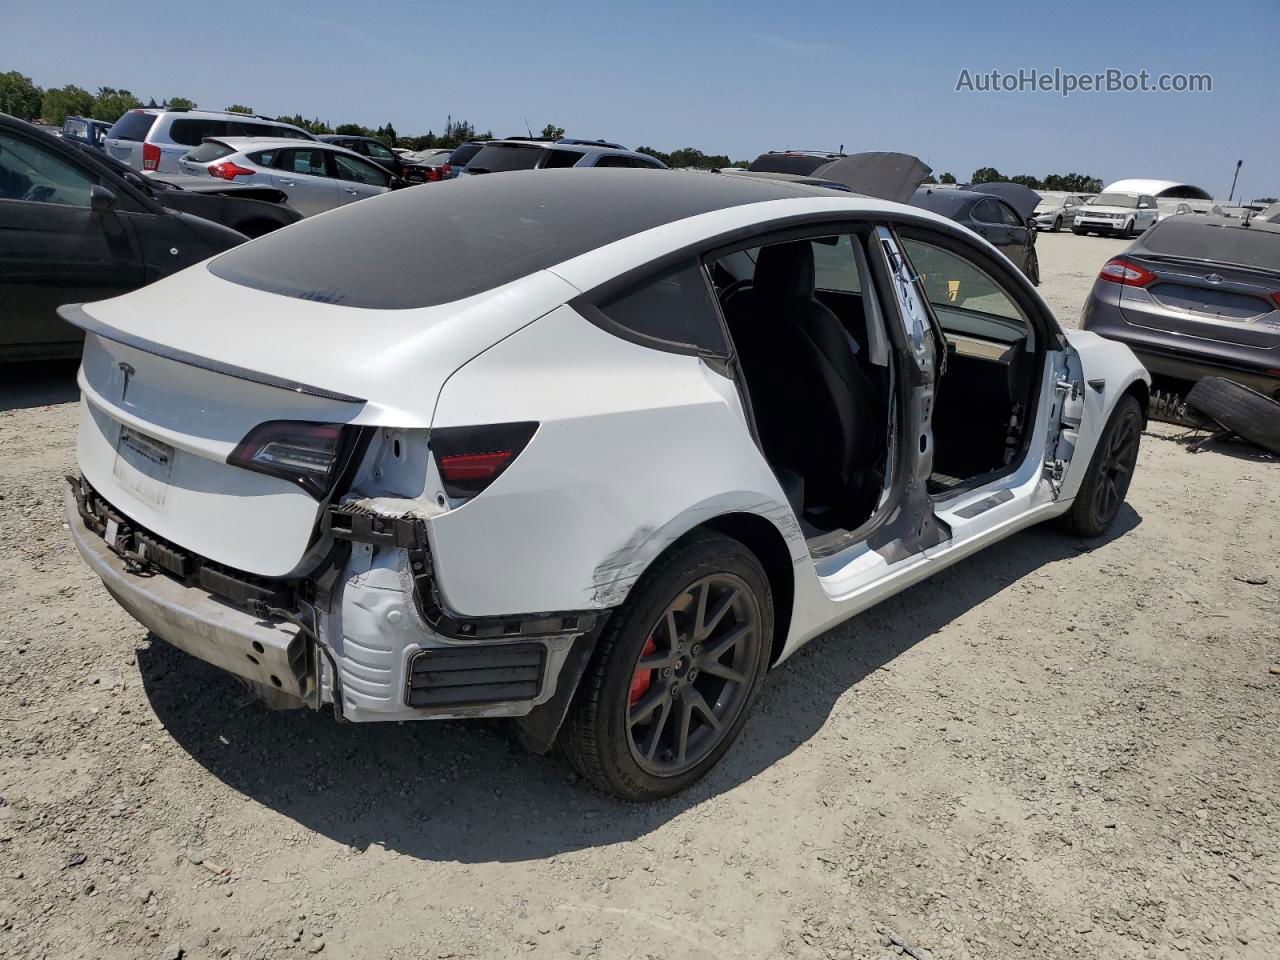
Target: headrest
x=784, y=271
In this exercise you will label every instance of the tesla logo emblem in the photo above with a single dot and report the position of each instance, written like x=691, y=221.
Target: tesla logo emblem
x=128, y=372
x=1214, y=278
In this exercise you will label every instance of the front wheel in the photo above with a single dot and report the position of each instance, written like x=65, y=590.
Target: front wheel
x=1033, y=267
x=675, y=672
x=1057, y=224
x=1110, y=470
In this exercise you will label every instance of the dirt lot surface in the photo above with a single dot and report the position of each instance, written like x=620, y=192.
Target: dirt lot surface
x=1059, y=749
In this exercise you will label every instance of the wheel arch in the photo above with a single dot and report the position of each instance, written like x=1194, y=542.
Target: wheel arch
x=1141, y=392
x=764, y=540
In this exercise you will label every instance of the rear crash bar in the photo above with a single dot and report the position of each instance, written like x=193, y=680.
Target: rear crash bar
x=359, y=525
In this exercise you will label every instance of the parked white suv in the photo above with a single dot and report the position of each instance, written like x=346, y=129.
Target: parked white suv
x=153, y=139
x=1121, y=214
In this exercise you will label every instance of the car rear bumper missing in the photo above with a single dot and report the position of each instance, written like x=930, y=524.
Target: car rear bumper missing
x=273, y=655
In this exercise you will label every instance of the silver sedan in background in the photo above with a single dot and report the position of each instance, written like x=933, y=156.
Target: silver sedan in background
x=315, y=176
x=1054, y=213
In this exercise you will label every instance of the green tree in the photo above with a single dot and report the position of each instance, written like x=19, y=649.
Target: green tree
x=110, y=103
x=1073, y=183
x=240, y=108
x=930, y=179
x=387, y=134
x=180, y=103
x=352, y=130
x=1027, y=181
x=316, y=126
x=66, y=101
x=456, y=131
x=986, y=175
x=947, y=178
x=19, y=96
x=552, y=132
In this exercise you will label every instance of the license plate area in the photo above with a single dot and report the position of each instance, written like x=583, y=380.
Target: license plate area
x=143, y=466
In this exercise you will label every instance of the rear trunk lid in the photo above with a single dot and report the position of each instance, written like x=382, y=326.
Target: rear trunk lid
x=1216, y=302
x=176, y=374
x=125, y=138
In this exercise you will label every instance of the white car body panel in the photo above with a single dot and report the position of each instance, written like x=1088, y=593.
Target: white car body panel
x=635, y=447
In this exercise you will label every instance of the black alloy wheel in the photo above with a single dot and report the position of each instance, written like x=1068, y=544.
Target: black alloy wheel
x=693, y=675
x=674, y=672
x=1110, y=472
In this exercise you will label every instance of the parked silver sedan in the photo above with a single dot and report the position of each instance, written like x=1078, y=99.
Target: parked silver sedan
x=315, y=176
x=1054, y=213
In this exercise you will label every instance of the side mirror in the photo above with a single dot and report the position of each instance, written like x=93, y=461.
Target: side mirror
x=397, y=183
x=101, y=199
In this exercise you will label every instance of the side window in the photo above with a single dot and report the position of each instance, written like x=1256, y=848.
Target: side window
x=615, y=160
x=378, y=151
x=561, y=158
x=987, y=211
x=263, y=158
x=189, y=132
x=359, y=171
x=1071, y=202
x=307, y=162
x=675, y=307
x=1010, y=216
x=834, y=266
x=965, y=299
x=30, y=172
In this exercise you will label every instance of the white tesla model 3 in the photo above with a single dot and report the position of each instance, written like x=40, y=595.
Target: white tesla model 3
x=593, y=450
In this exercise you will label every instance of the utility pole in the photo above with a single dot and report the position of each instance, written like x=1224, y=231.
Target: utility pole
x=1230, y=196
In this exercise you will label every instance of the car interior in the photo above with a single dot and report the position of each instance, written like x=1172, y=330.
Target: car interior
x=983, y=401
x=818, y=372
x=817, y=375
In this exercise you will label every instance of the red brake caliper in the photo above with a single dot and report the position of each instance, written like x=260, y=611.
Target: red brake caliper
x=641, y=679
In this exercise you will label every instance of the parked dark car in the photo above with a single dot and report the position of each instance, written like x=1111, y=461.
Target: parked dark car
x=1196, y=296
x=993, y=218
x=253, y=209
x=460, y=157
x=375, y=150
x=426, y=166
x=801, y=163
x=73, y=229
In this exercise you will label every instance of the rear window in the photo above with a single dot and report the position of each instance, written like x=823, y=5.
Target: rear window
x=189, y=131
x=462, y=155
x=212, y=150
x=134, y=125
x=422, y=247
x=1254, y=246
x=500, y=159
x=800, y=165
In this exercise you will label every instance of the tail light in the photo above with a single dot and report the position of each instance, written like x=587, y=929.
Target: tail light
x=228, y=170
x=433, y=174
x=150, y=157
x=446, y=172
x=1121, y=271
x=300, y=451
x=1276, y=297
x=471, y=458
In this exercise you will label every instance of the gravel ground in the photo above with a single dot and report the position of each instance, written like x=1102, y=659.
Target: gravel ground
x=1059, y=749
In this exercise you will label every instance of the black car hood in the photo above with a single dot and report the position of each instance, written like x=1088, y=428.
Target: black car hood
x=220, y=188
x=889, y=176
x=1022, y=199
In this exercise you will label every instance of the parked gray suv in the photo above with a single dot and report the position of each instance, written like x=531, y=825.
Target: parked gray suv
x=152, y=140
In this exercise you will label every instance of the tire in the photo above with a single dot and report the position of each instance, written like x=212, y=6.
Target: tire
x=1252, y=415
x=1057, y=224
x=1078, y=233
x=1110, y=470
x=1127, y=233
x=606, y=736
x=1033, y=267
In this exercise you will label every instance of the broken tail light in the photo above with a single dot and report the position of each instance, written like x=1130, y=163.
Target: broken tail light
x=300, y=451
x=1123, y=272
x=471, y=458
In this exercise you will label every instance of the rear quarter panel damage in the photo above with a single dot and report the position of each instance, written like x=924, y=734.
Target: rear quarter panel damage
x=635, y=447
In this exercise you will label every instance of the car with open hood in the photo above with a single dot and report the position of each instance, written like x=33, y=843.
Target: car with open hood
x=594, y=452
x=1196, y=296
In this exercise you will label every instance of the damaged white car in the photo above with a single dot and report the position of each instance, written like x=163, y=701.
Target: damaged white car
x=590, y=450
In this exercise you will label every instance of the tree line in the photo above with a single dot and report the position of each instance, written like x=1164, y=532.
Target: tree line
x=22, y=98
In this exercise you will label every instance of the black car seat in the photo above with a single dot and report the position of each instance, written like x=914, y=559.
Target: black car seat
x=817, y=411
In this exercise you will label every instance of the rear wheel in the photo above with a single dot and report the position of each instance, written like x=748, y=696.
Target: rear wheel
x=1110, y=470
x=675, y=672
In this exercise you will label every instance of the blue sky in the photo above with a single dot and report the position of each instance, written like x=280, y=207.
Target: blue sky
x=738, y=77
